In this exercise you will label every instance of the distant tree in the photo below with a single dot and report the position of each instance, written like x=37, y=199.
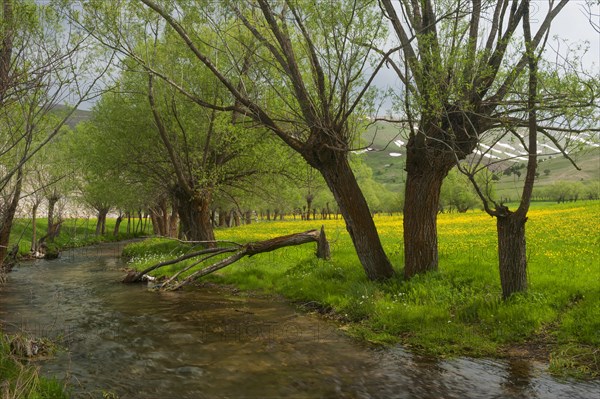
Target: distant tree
x=41, y=68
x=592, y=191
x=457, y=193
x=563, y=191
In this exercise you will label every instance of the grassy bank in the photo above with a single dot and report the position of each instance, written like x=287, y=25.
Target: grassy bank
x=20, y=380
x=74, y=233
x=456, y=311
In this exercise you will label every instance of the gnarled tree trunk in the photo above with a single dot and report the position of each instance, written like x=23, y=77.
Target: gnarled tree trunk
x=194, y=217
x=338, y=175
x=512, y=253
x=421, y=202
x=429, y=158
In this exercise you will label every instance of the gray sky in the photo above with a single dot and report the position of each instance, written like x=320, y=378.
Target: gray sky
x=570, y=27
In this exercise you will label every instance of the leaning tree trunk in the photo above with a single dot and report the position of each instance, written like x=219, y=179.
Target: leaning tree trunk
x=118, y=225
x=8, y=216
x=194, y=217
x=422, y=197
x=5, y=228
x=512, y=253
x=341, y=181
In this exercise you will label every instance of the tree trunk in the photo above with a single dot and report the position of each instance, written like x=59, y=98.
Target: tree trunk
x=101, y=222
x=421, y=205
x=117, y=225
x=4, y=238
x=213, y=218
x=8, y=216
x=250, y=249
x=173, y=223
x=145, y=226
x=51, y=231
x=194, y=217
x=309, y=200
x=155, y=223
x=138, y=227
x=341, y=181
x=164, y=212
x=235, y=217
x=34, y=210
x=512, y=253
x=222, y=218
x=104, y=223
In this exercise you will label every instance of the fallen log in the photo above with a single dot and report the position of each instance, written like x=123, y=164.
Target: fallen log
x=240, y=251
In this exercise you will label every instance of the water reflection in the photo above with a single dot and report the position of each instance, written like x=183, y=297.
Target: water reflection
x=209, y=344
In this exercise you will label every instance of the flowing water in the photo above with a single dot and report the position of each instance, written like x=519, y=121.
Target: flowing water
x=209, y=343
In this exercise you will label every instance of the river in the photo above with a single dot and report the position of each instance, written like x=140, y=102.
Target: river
x=213, y=343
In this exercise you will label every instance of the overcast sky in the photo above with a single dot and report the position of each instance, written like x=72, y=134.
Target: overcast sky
x=571, y=25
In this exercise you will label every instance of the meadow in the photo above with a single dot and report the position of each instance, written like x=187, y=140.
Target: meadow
x=455, y=311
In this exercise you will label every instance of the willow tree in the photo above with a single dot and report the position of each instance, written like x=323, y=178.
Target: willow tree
x=40, y=69
x=556, y=108
x=186, y=153
x=297, y=68
x=462, y=64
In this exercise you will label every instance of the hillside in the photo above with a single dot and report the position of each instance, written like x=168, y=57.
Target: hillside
x=80, y=115
x=386, y=157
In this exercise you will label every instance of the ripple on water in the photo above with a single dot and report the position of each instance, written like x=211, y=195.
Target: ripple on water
x=208, y=344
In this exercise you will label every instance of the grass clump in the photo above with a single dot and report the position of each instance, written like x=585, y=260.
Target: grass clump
x=21, y=380
x=455, y=311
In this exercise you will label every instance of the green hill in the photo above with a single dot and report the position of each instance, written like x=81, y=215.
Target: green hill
x=387, y=160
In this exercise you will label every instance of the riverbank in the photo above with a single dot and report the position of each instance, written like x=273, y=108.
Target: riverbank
x=74, y=233
x=20, y=379
x=457, y=311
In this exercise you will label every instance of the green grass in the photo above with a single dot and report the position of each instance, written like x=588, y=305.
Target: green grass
x=20, y=380
x=74, y=233
x=456, y=311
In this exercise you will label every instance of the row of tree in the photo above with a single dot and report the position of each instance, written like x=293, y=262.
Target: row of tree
x=214, y=98
x=298, y=70
x=43, y=64
x=567, y=191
